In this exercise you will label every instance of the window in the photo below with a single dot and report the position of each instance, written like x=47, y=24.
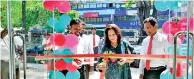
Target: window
x=110, y=5
x=114, y=5
x=117, y=5
x=99, y=5
x=104, y=5
x=88, y=19
x=123, y=5
x=99, y=20
x=74, y=7
x=130, y=18
x=84, y=19
x=124, y=17
x=81, y=6
x=92, y=19
x=105, y=19
x=121, y=18
x=92, y=5
x=86, y=6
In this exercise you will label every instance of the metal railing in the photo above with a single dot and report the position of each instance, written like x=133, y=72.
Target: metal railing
x=187, y=57
x=24, y=53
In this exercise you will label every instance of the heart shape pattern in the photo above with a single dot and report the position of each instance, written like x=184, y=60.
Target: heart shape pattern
x=171, y=28
x=62, y=6
x=61, y=24
x=171, y=5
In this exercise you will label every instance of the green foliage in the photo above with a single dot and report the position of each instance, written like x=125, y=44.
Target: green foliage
x=15, y=13
x=73, y=14
x=35, y=14
x=129, y=3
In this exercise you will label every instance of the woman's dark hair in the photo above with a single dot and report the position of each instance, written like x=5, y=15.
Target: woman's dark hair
x=117, y=32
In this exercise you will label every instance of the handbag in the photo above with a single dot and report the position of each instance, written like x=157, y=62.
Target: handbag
x=128, y=50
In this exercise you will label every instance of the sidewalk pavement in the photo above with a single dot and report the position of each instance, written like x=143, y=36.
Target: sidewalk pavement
x=37, y=71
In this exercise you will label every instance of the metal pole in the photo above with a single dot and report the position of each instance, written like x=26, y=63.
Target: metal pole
x=53, y=60
x=24, y=16
x=23, y=37
x=192, y=58
x=24, y=56
x=192, y=65
x=174, y=55
x=12, y=56
x=187, y=57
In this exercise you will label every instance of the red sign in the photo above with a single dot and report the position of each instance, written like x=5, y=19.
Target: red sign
x=91, y=14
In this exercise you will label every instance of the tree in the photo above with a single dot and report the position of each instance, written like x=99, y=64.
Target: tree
x=15, y=13
x=143, y=12
x=129, y=4
x=154, y=14
x=73, y=14
x=143, y=8
x=35, y=13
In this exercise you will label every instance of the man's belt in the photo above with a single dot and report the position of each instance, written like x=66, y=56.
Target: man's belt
x=157, y=68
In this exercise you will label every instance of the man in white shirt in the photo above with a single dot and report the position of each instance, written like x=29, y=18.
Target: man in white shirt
x=88, y=49
x=46, y=42
x=5, y=53
x=154, y=44
x=82, y=48
x=4, y=58
x=95, y=39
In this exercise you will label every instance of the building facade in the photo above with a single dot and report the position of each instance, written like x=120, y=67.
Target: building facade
x=99, y=14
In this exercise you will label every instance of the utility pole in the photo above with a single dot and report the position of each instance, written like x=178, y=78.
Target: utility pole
x=24, y=16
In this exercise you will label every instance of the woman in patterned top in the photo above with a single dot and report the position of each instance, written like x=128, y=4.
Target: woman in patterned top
x=115, y=68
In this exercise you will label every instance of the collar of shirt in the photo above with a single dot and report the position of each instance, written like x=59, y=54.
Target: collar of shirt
x=159, y=44
x=83, y=35
x=80, y=37
x=92, y=35
x=155, y=36
x=80, y=46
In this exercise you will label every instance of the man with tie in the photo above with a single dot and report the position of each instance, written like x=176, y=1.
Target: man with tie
x=154, y=44
x=95, y=39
